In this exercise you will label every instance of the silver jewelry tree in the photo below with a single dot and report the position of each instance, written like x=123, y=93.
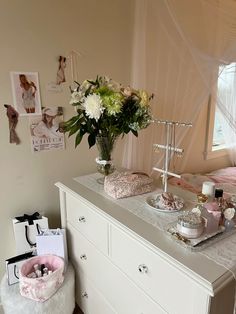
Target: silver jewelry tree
x=169, y=147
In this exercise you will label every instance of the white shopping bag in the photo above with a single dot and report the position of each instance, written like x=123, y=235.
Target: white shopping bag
x=13, y=264
x=25, y=229
x=52, y=241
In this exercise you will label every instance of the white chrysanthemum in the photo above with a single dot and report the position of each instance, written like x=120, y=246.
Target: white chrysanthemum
x=93, y=106
x=76, y=97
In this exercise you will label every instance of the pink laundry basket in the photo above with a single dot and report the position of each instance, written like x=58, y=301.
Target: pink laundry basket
x=42, y=288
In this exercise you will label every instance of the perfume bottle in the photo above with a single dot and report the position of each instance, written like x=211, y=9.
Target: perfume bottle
x=219, y=197
x=229, y=224
x=221, y=203
x=208, y=211
x=201, y=200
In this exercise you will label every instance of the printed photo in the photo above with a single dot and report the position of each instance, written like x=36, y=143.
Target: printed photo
x=26, y=96
x=44, y=130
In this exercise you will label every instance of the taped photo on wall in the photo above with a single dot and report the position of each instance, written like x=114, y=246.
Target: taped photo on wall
x=44, y=130
x=26, y=94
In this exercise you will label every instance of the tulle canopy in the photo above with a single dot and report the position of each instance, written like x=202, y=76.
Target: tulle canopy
x=179, y=48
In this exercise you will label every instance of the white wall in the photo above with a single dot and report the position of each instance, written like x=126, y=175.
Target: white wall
x=32, y=35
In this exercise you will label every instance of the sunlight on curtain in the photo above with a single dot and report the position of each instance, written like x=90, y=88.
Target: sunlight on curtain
x=178, y=48
x=226, y=99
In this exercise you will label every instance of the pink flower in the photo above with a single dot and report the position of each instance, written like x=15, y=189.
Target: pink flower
x=127, y=91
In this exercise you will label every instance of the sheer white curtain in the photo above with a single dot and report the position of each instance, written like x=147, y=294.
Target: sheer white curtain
x=178, y=48
x=226, y=101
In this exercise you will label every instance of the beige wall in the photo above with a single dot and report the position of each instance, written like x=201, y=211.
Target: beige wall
x=32, y=35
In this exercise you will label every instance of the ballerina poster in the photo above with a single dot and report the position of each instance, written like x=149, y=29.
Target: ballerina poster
x=26, y=96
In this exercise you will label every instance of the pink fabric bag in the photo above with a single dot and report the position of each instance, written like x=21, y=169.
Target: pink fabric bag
x=42, y=288
x=124, y=184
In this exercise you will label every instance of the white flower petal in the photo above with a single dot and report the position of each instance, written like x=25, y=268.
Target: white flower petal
x=93, y=106
x=76, y=97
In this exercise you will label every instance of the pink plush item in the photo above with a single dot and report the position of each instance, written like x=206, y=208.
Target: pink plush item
x=223, y=178
x=190, y=182
x=125, y=184
x=225, y=175
x=42, y=288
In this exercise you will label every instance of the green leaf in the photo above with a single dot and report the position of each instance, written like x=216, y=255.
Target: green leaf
x=72, y=121
x=77, y=83
x=91, y=140
x=78, y=139
x=135, y=133
x=92, y=82
x=83, y=129
x=74, y=129
x=88, y=91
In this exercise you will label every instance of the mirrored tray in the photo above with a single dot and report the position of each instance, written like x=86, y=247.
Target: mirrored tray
x=201, y=242
x=153, y=200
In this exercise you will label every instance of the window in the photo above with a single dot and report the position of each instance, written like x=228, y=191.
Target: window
x=226, y=92
x=218, y=141
x=215, y=144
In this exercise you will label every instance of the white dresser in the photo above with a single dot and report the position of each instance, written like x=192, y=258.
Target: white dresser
x=126, y=266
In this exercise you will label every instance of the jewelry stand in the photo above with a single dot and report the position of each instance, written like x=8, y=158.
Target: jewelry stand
x=169, y=147
x=170, y=150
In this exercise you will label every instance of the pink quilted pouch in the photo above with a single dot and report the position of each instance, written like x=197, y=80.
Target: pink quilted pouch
x=42, y=288
x=125, y=184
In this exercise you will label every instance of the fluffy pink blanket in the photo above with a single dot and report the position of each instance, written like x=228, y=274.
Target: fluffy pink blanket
x=223, y=178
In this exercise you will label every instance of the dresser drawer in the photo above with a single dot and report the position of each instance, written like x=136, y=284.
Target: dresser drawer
x=88, y=222
x=82, y=252
x=89, y=299
x=124, y=296
x=174, y=291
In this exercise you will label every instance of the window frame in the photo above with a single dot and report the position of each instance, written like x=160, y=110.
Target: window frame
x=211, y=153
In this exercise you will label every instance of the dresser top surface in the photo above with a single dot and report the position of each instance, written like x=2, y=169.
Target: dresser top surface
x=196, y=265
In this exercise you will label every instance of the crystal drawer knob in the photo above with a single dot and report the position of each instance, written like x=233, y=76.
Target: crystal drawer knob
x=143, y=269
x=84, y=295
x=83, y=257
x=82, y=219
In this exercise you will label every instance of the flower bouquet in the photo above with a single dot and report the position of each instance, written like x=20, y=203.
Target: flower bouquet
x=104, y=110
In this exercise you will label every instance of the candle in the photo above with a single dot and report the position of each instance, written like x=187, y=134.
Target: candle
x=208, y=188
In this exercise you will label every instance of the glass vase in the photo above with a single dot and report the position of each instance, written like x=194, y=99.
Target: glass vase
x=105, y=146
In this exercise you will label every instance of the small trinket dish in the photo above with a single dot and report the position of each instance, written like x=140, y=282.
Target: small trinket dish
x=190, y=225
x=165, y=202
